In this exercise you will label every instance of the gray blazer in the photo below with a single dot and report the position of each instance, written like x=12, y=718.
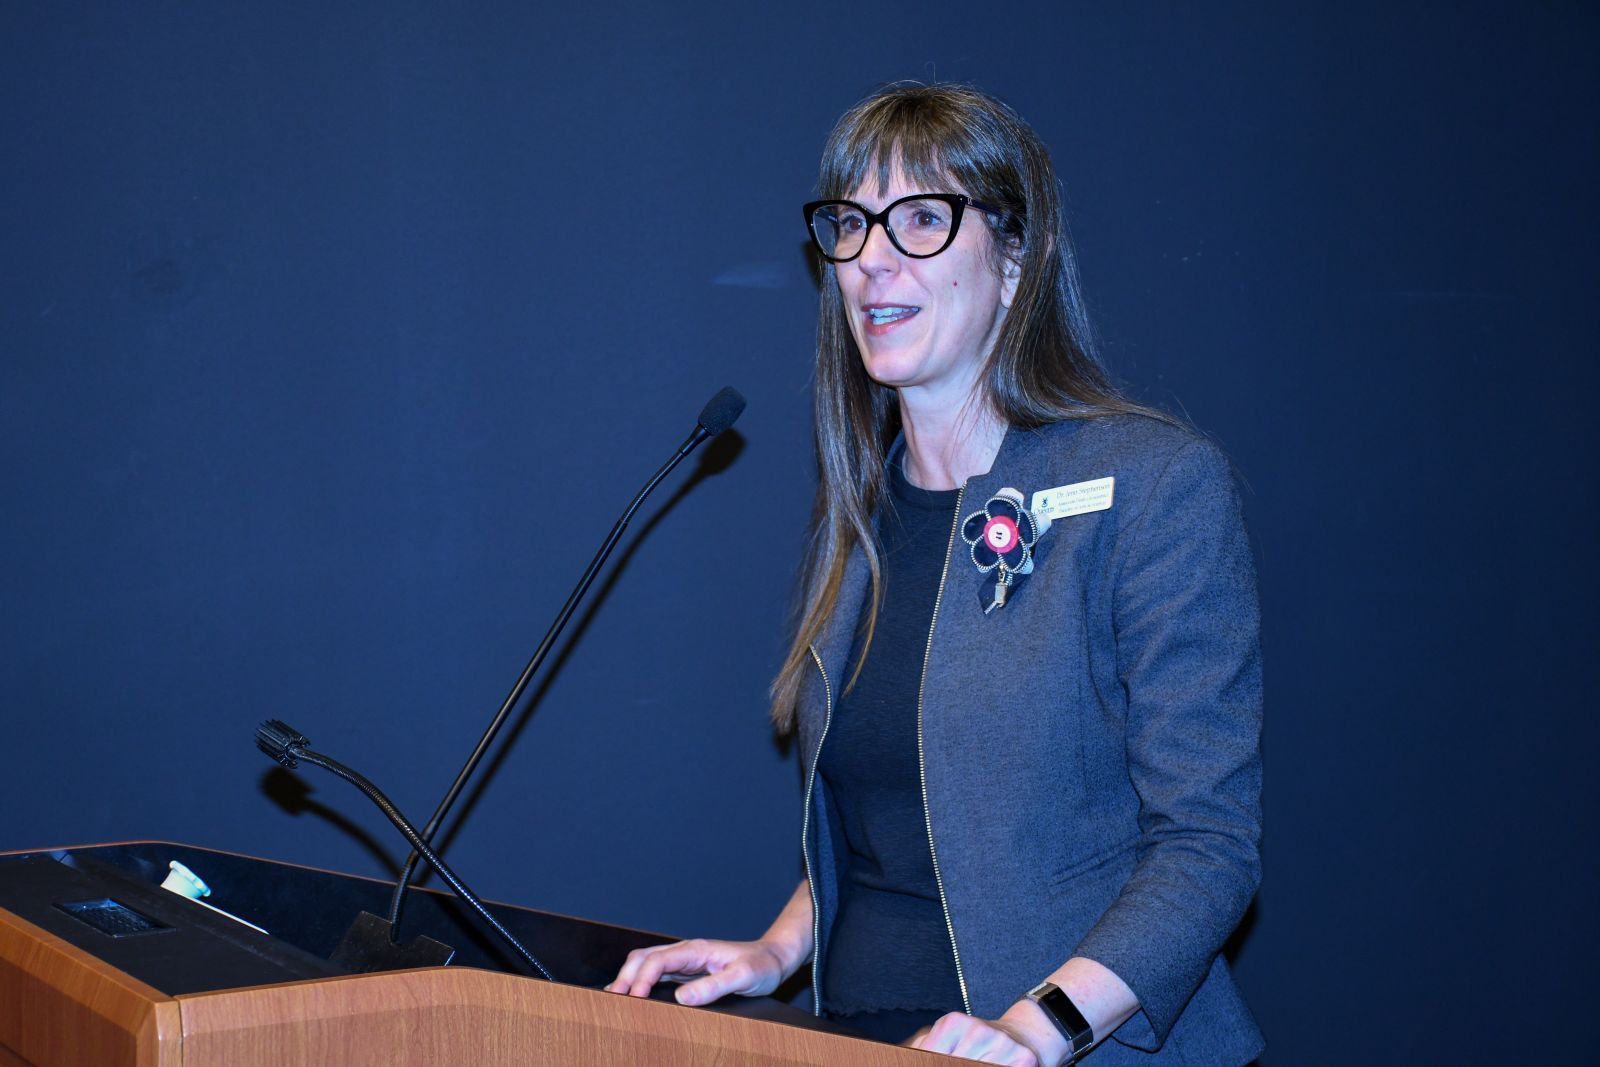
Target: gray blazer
x=1090, y=751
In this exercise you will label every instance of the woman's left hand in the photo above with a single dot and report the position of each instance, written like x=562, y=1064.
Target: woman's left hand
x=1009, y=1039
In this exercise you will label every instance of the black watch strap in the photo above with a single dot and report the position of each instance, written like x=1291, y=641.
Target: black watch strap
x=1058, y=1007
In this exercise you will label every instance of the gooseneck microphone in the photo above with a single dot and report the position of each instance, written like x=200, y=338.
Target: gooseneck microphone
x=289, y=746
x=720, y=412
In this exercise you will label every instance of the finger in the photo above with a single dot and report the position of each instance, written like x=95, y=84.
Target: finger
x=975, y=1039
x=986, y=1046
x=736, y=977
x=625, y=973
x=686, y=958
x=644, y=967
x=702, y=990
x=943, y=1034
x=629, y=970
x=992, y=1050
x=981, y=1040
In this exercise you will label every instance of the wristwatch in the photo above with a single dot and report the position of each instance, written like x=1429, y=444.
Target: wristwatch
x=1059, y=1009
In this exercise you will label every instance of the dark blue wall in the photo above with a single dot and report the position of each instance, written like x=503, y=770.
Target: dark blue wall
x=333, y=336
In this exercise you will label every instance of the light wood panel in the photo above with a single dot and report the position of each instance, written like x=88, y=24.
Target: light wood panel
x=58, y=1004
x=462, y=1015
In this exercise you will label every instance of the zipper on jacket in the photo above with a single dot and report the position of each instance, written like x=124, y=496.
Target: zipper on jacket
x=805, y=843
x=922, y=770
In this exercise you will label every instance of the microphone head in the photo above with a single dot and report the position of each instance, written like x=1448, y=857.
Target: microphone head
x=722, y=410
x=280, y=740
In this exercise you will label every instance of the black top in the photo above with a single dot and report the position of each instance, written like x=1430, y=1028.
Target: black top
x=889, y=948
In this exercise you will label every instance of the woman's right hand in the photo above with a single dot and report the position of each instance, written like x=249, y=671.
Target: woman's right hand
x=713, y=969
x=709, y=969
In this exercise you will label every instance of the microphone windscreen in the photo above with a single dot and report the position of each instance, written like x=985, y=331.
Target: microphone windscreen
x=722, y=410
x=278, y=739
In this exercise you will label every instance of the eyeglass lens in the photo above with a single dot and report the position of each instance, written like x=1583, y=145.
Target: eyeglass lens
x=917, y=227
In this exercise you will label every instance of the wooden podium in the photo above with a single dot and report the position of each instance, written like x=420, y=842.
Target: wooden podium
x=71, y=993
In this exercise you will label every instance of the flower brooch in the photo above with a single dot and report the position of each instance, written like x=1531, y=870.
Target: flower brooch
x=1001, y=537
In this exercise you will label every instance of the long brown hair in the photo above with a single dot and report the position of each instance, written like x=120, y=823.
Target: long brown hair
x=1042, y=369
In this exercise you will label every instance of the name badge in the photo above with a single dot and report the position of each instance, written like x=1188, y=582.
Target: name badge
x=1076, y=499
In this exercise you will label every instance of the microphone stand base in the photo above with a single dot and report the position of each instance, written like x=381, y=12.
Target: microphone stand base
x=366, y=948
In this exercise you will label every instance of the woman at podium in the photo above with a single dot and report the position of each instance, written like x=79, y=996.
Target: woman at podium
x=1025, y=673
